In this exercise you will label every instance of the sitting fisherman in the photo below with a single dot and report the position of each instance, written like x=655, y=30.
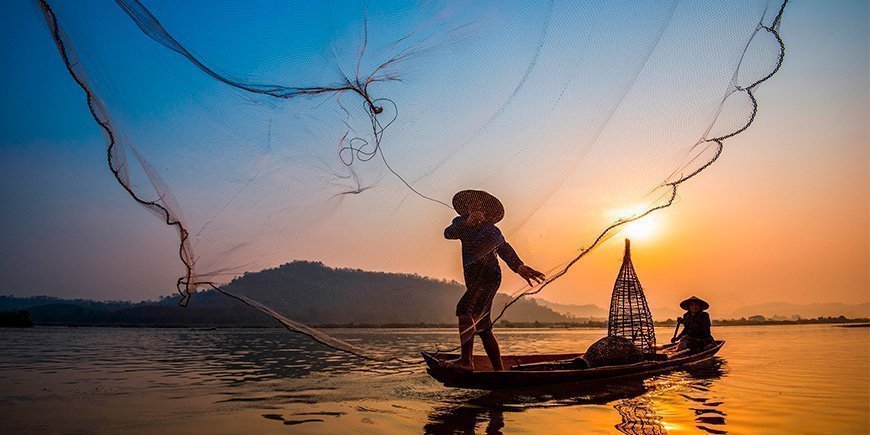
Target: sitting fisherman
x=481, y=241
x=696, y=326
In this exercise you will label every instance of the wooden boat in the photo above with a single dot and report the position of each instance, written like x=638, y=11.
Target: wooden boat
x=546, y=369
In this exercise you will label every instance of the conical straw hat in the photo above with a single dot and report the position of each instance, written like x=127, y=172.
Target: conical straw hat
x=492, y=208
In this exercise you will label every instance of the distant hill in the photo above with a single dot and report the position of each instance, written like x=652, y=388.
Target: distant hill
x=595, y=313
x=316, y=294
x=313, y=293
x=11, y=303
x=309, y=292
x=664, y=313
x=789, y=310
x=587, y=311
x=771, y=310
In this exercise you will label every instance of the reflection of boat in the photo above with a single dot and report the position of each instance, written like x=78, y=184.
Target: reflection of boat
x=636, y=399
x=533, y=370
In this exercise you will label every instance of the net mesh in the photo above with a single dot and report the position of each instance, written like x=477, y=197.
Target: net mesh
x=266, y=131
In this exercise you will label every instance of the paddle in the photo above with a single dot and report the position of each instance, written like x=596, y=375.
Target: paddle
x=677, y=329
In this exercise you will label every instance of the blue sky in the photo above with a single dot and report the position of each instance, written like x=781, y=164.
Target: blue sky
x=70, y=230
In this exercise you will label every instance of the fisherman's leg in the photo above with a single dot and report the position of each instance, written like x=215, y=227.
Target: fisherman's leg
x=466, y=328
x=490, y=344
x=473, y=301
x=466, y=335
x=683, y=344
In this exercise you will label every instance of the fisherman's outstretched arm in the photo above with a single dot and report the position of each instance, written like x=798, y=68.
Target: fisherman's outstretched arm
x=509, y=255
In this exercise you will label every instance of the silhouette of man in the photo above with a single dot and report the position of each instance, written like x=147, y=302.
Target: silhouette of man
x=696, y=334
x=481, y=242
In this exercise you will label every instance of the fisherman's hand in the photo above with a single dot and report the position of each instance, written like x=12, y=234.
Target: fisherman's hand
x=531, y=276
x=475, y=218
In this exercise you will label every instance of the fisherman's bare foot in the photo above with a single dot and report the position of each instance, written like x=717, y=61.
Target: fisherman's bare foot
x=458, y=365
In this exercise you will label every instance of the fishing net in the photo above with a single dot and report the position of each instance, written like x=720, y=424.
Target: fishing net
x=265, y=131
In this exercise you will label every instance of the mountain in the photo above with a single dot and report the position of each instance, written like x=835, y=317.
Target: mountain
x=594, y=312
x=789, y=310
x=309, y=292
x=587, y=311
x=664, y=313
x=771, y=310
x=313, y=293
x=11, y=303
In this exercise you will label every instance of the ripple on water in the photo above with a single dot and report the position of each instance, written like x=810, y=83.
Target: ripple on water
x=771, y=377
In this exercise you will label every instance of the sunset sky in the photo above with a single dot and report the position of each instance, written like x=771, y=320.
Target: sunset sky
x=784, y=215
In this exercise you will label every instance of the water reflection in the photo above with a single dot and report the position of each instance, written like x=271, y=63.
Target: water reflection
x=169, y=357
x=638, y=417
x=268, y=380
x=637, y=402
x=708, y=415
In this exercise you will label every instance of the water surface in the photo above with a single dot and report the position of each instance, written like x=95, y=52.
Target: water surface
x=768, y=379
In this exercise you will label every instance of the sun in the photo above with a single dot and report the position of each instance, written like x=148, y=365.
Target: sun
x=642, y=229
x=646, y=228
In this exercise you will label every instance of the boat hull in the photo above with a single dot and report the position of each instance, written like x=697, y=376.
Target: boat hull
x=485, y=378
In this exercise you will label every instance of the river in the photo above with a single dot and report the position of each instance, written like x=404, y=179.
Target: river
x=766, y=380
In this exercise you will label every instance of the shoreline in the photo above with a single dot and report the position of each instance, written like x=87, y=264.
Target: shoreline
x=847, y=323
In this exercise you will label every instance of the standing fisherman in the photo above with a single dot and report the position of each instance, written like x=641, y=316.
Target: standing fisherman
x=481, y=241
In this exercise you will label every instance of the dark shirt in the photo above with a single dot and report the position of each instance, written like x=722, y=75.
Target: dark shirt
x=481, y=243
x=697, y=325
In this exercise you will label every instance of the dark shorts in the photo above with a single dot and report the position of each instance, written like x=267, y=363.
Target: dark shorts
x=482, y=283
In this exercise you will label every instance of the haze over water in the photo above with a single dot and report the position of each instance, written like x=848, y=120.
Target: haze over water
x=769, y=379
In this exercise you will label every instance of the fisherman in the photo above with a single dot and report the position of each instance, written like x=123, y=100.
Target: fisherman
x=696, y=326
x=481, y=241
